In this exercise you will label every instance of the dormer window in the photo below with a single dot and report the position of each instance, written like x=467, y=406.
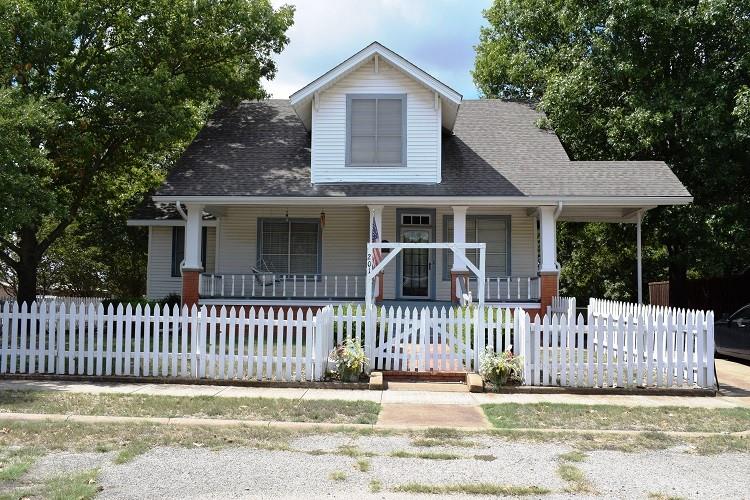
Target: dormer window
x=376, y=130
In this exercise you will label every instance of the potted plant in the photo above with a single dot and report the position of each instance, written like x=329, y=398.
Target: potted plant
x=500, y=368
x=350, y=360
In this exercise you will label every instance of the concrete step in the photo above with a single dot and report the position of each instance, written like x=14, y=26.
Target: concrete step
x=427, y=386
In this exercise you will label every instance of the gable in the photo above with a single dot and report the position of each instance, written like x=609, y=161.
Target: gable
x=304, y=99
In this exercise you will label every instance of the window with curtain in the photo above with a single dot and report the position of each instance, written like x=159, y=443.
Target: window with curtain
x=178, y=248
x=376, y=130
x=289, y=246
x=494, y=230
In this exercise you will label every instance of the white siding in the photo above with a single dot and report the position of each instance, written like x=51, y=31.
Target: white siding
x=160, y=282
x=329, y=129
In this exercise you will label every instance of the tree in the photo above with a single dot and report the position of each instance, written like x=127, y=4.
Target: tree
x=641, y=80
x=94, y=94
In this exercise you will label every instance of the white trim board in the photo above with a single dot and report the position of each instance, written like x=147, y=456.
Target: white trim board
x=508, y=201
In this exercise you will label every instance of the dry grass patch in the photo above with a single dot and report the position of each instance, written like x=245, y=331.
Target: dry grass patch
x=364, y=465
x=613, y=417
x=663, y=496
x=576, y=479
x=573, y=456
x=376, y=486
x=428, y=455
x=337, y=476
x=471, y=489
x=143, y=405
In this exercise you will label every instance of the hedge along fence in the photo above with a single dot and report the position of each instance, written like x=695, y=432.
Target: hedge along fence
x=664, y=348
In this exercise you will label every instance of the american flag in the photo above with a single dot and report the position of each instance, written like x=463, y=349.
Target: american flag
x=375, y=238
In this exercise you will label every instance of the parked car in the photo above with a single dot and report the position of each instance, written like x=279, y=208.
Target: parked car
x=732, y=334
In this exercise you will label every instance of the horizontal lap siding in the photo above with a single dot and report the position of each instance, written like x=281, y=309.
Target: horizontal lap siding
x=344, y=237
x=329, y=129
x=160, y=281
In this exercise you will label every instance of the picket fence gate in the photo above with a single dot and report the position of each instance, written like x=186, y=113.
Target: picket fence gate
x=653, y=348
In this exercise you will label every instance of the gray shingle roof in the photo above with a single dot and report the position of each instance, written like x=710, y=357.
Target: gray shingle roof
x=262, y=149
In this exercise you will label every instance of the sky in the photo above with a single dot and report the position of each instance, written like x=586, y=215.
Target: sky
x=436, y=35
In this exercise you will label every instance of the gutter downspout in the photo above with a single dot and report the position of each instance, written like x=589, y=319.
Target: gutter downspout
x=180, y=210
x=557, y=213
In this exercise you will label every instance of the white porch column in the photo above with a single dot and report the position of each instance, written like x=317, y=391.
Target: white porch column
x=459, y=235
x=376, y=225
x=193, y=237
x=547, y=240
x=638, y=256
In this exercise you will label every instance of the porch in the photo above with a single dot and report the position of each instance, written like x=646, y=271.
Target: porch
x=300, y=253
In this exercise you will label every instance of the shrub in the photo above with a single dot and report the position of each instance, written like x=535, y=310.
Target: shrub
x=500, y=368
x=350, y=360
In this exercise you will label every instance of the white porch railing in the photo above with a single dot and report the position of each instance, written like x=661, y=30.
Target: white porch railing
x=507, y=288
x=287, y=286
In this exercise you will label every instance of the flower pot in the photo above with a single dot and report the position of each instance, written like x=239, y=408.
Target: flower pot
x=349, y=375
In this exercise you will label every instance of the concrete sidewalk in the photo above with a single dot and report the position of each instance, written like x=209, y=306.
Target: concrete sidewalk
x=386, y=397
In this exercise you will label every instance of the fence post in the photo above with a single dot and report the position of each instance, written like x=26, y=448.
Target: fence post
x=710, y=382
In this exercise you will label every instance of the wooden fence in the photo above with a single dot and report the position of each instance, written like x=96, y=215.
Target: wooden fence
x=615, y=345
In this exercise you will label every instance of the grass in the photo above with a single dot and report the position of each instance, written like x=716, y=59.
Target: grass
x=576, y=479
x=80, y=486
x=438, y=436
x=471, y=489
x=428, y=455
x=485, y=458
x=15, y=462
x=376, y=486
x=142, y=405
x=337, y=476
x=611, y=417
x=662, y=496
x=573, y=456
x=364, y=465
x=131, y=451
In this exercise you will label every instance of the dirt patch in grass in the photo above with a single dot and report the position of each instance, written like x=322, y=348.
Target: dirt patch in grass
x=471, y=489
x=143, y=405
x=612, y=417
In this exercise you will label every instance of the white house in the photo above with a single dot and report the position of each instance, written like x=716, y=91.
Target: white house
x=275, y=201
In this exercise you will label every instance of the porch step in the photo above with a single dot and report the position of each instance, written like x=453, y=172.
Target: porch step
x=425, y=381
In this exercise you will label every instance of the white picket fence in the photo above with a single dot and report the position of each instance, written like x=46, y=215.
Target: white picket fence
x=644, y=347
x=142, y=342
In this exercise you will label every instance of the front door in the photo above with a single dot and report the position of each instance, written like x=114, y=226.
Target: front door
x=415, y=264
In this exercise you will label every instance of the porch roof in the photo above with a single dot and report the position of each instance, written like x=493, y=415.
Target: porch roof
x=261, y=149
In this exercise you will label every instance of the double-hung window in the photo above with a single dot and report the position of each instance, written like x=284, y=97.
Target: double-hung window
x=289, y=246
x=376, y=130
x=494, y=230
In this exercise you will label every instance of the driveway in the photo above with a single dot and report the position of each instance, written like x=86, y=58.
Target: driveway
x=734, y=379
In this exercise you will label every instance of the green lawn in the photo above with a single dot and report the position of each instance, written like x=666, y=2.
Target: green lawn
x=591, y=417
x=141, y=405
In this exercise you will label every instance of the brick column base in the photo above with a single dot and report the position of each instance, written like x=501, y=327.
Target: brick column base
x=548, y=282
x=379, y=294
x=464, y=275
x=190, y=280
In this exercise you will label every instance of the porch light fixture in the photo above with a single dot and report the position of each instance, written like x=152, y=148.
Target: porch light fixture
x=322, y=218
